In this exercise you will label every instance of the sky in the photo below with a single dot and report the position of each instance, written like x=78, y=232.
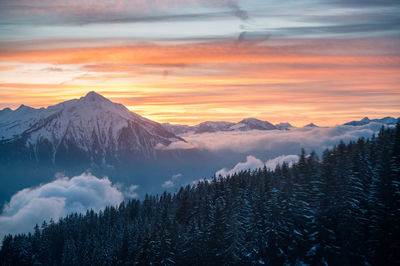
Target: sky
x=188, y=61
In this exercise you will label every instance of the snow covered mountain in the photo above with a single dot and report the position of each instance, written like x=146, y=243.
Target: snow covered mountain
x=256, y=124
x=208, y=126
x=92, y=128
x=215, y=126
x=386, y=120
x=284, y=126
x=253, y=123
x=311, y=125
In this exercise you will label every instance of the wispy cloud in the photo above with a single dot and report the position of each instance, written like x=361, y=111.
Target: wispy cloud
x=131, y=192
x=387, y=27
x=78, y=12
x=296, y=81
x=172, y=182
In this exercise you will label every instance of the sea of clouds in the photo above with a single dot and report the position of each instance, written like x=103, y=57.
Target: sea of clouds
x=318, y=138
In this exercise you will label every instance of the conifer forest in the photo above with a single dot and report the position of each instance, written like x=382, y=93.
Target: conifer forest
x=340, y=208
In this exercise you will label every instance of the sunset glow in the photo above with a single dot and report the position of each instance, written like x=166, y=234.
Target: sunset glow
x=286, y=67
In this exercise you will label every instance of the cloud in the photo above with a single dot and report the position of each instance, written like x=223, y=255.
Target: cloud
x=253, y=163
x=177, y=145
x=289, y=159
x=177, y=176
x=277, y=141
x=388, y=25
x=53, y=69
x=56, y=199
x=168, y=184
x=363, y=3
x=131, y=192
x=172, y=182
x=237, y=11
x=78, y=12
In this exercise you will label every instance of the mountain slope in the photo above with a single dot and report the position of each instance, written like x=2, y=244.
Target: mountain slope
x=92, y=127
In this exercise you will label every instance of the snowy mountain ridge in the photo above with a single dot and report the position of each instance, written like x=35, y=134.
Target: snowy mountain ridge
x=215, y=126
x=92, y=124
x=257, y=124
x=386, y=120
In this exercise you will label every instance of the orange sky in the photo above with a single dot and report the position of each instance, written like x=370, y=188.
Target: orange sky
x=187, y=61
x=322, y=81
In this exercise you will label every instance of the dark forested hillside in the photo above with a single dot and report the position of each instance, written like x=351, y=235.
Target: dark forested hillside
x=341, y=209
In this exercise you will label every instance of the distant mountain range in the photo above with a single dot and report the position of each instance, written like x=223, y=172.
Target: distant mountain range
x=215, y=126
x=386, y=120
x=93, y=129
x=256, y=124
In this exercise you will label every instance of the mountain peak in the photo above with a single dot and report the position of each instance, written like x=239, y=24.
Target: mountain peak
x=7, y=109
x=251, y=120
x=254, y=123
x=23, y=107
x=283, y=126
x=311, y=125
x=93, y=96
